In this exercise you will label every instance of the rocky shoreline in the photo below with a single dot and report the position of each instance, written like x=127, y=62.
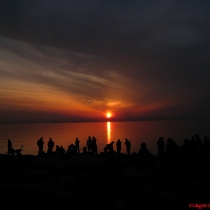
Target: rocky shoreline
x=103, y=181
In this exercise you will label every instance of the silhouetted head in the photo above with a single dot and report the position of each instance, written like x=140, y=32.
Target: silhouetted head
x=143, y=145
x=94, y=139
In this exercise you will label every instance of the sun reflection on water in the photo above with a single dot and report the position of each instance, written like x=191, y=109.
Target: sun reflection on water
x=108, y=131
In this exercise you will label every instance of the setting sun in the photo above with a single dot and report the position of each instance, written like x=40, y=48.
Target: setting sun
x=108, y=114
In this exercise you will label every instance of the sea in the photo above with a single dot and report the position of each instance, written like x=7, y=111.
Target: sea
x=136, y=132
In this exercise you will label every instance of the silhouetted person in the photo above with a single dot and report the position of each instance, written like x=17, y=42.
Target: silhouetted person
x=106, y=148
x=118, y=144
x=10, y=149
x=161, y=146
x=58, y=150
x=110, y=147
x=144, y=152
x=77, y=145
x=50, y=145
x=40, y=144
x=94, y=146
x=72, y=149
x=128, y=146
x=62, y=150
x=89, y=144
x=84, y=150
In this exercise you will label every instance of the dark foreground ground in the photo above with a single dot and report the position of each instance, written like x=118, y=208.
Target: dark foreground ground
x=103, y=182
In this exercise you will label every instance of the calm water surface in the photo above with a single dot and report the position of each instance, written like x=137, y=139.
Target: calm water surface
x=65, y=133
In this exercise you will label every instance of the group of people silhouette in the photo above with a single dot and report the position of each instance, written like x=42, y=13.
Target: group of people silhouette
x=168, y=148
x=50, y=145
x=72, y=148
x=91, y=147
x=109, y=148
x=191, y=147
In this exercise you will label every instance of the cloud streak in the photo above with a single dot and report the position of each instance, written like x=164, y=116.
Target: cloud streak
x=140, y=60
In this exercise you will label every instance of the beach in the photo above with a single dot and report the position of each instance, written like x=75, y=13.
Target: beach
x=102, y=181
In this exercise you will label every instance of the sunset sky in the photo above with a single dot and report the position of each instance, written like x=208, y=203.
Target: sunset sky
x=76, y=60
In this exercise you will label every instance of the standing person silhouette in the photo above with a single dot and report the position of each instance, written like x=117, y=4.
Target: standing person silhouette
x=40, y=144
x=94, y=146
x=128, y=146
x=118, y=144
x=77, y=145
x=10, y=149
x=50, y=145
x=89, y=144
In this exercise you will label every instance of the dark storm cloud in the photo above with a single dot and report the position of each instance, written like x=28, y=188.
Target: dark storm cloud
x=160, y=47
